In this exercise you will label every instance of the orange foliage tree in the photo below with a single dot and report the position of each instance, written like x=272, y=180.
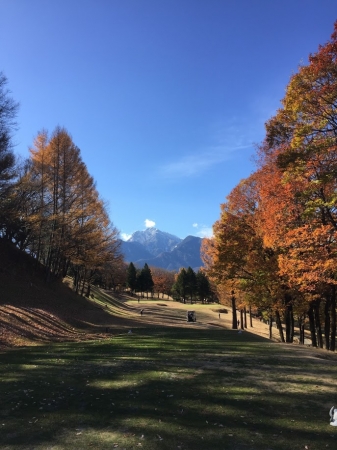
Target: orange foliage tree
x=276, y=237
x=163, y=280
x=300, y=151
x=67, y=221
x=236, y=257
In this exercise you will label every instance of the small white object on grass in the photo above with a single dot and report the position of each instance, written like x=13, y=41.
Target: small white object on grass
x=333, y=416
x=130, y=332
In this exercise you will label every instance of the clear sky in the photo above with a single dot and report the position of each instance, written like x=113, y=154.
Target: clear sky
x=166, y=99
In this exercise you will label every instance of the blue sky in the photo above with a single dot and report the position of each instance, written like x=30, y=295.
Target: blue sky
x=166, y=99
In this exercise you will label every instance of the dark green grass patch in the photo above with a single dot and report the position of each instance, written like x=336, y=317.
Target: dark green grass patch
x=168, y=389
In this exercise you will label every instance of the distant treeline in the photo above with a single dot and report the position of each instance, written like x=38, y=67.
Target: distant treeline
x=182, y=286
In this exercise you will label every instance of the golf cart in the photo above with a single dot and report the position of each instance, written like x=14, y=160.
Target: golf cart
x=191, y=317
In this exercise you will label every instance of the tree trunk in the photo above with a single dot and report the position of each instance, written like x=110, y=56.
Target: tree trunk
x=241, y=319
x=301, y=323
x=292, y=325
x=65, y=267
x=289, y=322
x=83, y=282
x=250, y=317
x=312, y=325
x=318, y=324
x=333, y=320
x=279, y=325
x=235, y=319
x=245, y=317
x=270, y=327
x=327, y=322
x=75, y=281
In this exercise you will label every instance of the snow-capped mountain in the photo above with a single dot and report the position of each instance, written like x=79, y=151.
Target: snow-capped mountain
x=160, y=249
x=155, y=241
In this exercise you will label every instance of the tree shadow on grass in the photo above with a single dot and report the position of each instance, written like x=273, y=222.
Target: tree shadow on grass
x=178, y=388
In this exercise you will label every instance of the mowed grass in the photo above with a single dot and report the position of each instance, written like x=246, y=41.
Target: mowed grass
x=168, y=388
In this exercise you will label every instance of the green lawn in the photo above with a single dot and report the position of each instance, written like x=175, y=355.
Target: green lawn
x=168, y=388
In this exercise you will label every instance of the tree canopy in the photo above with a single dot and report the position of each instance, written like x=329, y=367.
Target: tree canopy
x=275, y=241
x=8, y=112
x=51, y=207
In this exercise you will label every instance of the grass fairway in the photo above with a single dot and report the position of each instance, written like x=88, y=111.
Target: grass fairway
x=168, y=388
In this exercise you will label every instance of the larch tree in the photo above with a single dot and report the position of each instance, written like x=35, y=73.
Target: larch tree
x=8, y=112
x=69, y=221
x=39, y=219
x=113, y=274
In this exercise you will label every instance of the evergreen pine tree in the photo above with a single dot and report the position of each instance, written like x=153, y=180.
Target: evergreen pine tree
x=203, y=286
x=131, y=277
x=180, y=286
x=191, y=283
x=147, y=280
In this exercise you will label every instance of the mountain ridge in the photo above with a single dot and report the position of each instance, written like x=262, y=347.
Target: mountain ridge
x=161, y=249
x=155, y=241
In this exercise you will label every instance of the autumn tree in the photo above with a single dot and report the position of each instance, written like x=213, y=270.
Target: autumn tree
x=114, y=274
x=301, y=146
x=68, y=222
x=49, y=205
x=236, y=256
x=38, y=207
x=8, y=112
x=275, y=241
x=163, y=280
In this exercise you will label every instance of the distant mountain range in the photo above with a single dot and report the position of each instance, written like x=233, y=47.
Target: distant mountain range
x=160, y=249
